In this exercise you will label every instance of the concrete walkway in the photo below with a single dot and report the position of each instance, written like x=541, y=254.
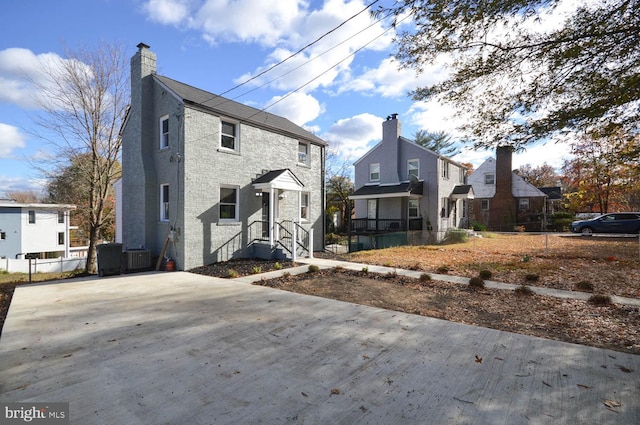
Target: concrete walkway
x=327, y=264
x=180, y=348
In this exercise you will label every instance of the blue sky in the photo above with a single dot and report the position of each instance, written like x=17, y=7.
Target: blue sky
x=217, y=44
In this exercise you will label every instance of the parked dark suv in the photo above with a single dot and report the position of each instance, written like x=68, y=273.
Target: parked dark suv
x=627, y=222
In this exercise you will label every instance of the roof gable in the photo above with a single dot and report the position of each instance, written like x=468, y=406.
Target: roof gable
x=520, y=188
x=239, y=111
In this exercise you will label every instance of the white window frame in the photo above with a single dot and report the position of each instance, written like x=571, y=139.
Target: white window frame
x=303, y=157
x=372, y=209
x=415, y=167
x=30, y=214
x=236, y=204
x=164, y=136
x=164, y=202
x=523, y=204
x=374, y=169
x=484, y=204
x=60, y=217
x=461, y=172
x=60, y=237
x=445, y=168
x=490, y=178
x=304, y=207
x=3, y=236
x=235, y=136
x=416, y=207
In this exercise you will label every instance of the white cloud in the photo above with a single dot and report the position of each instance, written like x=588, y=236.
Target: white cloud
x=255, y=21
x=299, y=108
x=167, y=12
x=22, y=71
x=353, y=137
x=10, y=139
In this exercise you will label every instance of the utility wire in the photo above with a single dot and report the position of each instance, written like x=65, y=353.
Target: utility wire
x=308, y=61
x=299, y=51
x=327, y=70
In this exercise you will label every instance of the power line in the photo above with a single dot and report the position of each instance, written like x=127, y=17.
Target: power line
x=308, y=61
x=299, y=51
x=327, y=70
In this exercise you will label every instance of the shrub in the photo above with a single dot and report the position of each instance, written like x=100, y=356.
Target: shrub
x=526, y=258
x=599, y=299
x=425, y=277
x=443, y=269
x=476, y=282
x=485, y=274
x=455, y=236
x=523, y=290
x=478, y=227
x=392, y=274
x=313, y=268
x=531, y=277
x=232, y=274
x=286, y=274
x=584, y=285
x=256, y=270
x=277, y=266
x=365, y=270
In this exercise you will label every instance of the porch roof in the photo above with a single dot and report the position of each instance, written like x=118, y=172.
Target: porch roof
x=400, y=190
x=463, y=191
x=278, y=179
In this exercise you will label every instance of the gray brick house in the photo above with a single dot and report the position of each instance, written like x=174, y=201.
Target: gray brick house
x=207, y=179
x=403, y=191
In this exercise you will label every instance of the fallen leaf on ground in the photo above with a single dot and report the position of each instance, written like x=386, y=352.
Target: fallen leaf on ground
x=611, y=403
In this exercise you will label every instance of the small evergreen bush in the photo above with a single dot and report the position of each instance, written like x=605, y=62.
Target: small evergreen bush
x=476, y=282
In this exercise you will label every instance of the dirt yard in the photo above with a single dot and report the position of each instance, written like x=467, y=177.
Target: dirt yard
x=601, y=266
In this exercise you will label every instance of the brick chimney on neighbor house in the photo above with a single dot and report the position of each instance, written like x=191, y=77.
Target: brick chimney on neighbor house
x=503, y=206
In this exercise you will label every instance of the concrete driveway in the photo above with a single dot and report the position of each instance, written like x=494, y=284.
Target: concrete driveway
x=180, y=348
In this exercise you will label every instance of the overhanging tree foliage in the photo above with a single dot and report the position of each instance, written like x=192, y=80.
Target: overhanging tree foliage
x=83, y=103
x=439, y=142
x=522, y=75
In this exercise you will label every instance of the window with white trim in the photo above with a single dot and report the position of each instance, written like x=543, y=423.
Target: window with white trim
x=164, y=132
x=60, y=238
x=229, y=135
x=523, y=203
x=164, y=202
x=61, y=217
x=3, y=236
x=490, y=178
x=413, y=168
x=229, y=203
x=484, y=205
x=414, y=208
x=304, y=206
x=374, y=172
x=303, y=153
x=32, y=216
x=445, y=168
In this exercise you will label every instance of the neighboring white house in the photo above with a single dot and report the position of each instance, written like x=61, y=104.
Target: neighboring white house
x=34, y=230
x=402, y=189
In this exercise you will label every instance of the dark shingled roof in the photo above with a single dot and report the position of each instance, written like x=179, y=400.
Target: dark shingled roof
x=270, y=176
x=388, y=189
x=462, y=189
x=239, y=111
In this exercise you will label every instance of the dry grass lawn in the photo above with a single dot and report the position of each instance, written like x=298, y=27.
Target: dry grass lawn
x=610, y=265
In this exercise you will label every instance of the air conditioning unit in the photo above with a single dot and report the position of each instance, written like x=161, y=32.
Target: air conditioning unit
x=137, y=259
